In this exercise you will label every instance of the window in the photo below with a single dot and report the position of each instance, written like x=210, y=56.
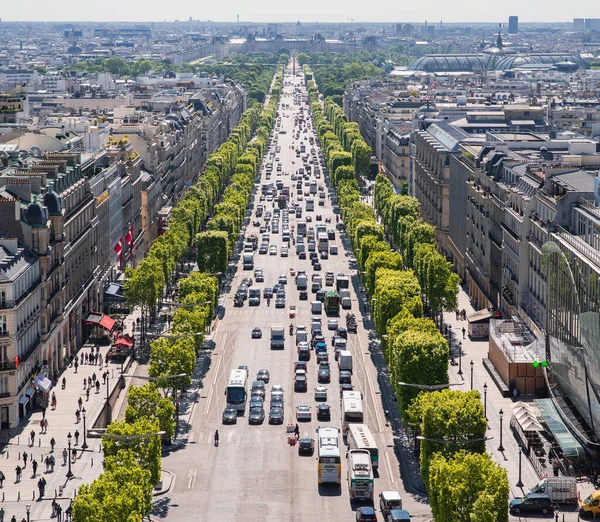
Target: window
x=3, y=325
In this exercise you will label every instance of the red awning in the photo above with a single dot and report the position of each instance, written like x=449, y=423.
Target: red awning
x=107, y=322
x=123, y=341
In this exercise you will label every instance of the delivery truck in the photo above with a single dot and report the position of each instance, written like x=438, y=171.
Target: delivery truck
x=560, y=489
x=345, y=360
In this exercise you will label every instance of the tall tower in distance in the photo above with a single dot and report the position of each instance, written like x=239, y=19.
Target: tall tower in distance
x=513, y=24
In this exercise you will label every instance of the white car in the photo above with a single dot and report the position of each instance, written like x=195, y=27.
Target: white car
x=303, y=412
x=276, y=391
x=332, y=324
x=273, y=250
x=284, y=251
x=320, y=393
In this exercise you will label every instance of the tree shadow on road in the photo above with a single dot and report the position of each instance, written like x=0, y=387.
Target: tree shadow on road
x=160, y=508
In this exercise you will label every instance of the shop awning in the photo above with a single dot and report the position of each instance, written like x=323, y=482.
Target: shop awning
x=114, y=293
x=568, y=443
x=23, y=399
x=95, y=319
x=43, y=383
x=124, y=341
x=29, y=392
x=480, y=316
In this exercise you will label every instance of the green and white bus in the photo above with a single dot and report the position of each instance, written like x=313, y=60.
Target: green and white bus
x=360, y=475
x=360, y=437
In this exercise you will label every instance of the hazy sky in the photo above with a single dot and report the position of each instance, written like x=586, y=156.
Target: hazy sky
x=307, y=10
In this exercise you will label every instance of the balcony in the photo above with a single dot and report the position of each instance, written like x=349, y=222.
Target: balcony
x=7, y=366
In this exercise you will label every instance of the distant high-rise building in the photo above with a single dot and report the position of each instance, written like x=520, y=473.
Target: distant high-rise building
x=579, y=25
x=513, y=24
x=592, y=24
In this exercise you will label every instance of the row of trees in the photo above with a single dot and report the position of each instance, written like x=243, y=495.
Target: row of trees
x=132, y=447
x=401, y=283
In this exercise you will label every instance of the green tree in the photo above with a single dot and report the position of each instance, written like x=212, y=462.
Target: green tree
x=172, y=358
x=212, y=251
x=146, y=402
x=361, y=158
x=146, y=449
x=468, y=488
x=380, y=259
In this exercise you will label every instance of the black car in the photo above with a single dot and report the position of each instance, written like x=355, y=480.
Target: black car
x=345, y=387
x=322, y=357
x=280, y=302
x=303, y=295
x=345, y=377
x=256, y=416
x=314, y=256
x=276, y=416
x=324, y=254
x=306, y=446
x=229, y=416
x=536, y=503
x=277, y=401
x=268, y=292
x=324, y=375
x=320, y=296
x=302, y=255
x=317, y=267
x=342, y=332
x=323, y=412
x=300, y=384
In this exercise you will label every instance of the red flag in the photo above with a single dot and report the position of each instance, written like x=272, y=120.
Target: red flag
x=129, y=236
x=119, y=246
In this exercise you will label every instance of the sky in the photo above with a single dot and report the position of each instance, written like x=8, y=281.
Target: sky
x=304, y=11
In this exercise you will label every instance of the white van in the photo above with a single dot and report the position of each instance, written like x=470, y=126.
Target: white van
x=316, y=307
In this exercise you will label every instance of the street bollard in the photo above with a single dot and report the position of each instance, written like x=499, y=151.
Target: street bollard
x=18, y=495
x=55, y=493
x=92, y=465
x=33, y=495
x=39, y=443
x=19, y=458
x=3, y=497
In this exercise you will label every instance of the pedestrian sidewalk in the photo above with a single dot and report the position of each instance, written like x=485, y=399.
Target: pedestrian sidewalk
x=14, y=496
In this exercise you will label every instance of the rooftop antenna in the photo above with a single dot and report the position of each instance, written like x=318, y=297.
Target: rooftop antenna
x=238, y=18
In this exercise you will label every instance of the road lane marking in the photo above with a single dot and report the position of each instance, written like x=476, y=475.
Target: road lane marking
x=371, y=389
x=389, y=467
x=192, y=477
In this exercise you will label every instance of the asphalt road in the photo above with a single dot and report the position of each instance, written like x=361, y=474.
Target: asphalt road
x=254, y=474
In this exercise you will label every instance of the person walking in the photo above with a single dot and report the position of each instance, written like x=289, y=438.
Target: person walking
x=297, y=431
x=463, y=332
x=52, y=463
x=25, y=456
x=42, y=486
x=53, y=401
x=85, y=357
x=64, y=383
x=34, y=465
x=77, y=416
x=1, y=514
x=104, y=378
x=76, y=366
x=76, y=437
x=52, y=444
x=97, y=387
x=45, y=426
x=89, y=382
x=32, y=437
x=216, y=438
x=13, y=519
x=87, y=395
x=2, y=479
x=59, y=513
x=65, y=454
x=68, y=512
x=74, y=455
x=94, y=378
x=80, y=402
x=47, y=462
x=18, y=471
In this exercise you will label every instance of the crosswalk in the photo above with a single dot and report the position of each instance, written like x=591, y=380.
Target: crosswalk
x=254, y=436
x=270, y=310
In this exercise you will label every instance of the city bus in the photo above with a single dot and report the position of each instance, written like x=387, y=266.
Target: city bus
x=360, y=475
x=330, y=464
x=322, y=242
x=237, y=389
x=352, y=410
x=360, y=437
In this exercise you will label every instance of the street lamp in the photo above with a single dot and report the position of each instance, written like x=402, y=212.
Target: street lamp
x=520, y=482
x=472, y=365
x=69, y=473
x=84, y=445
x=28, y=510
x=460, y=372
x=107, y=401
x=501, y=415
x=485, y=400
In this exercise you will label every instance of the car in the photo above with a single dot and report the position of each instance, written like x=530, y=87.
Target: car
x=256, y=401
x=242, y=292
x=272, y=250
x=262, y=229
x=256, y=416
x=229, y=416
x=303, y=295
x=342, y=332
x=533, y=503
x=324, y=254
x=263, y=375
x=276, y=391
x=320, y=296
x=317, y=266
x=242, y=367
x=284, y=251
x=275, y=415
x=332, y=324
x=303, y=413
x=268, y=293
x=300, y=365
x=302, y=256
x=323, y=412
x=277, y=401
x=345, y=377
x=258, y=388
x=259, y=277
x=320, y=393
x=366, y=514
x=282, y=279
x=247, y=282
x=256, y=333
x=280, y=302
x=300, y=384
x=331, y=234
x=278, y=287
x=263, y=249
x=324, y=374
x=345, y=387
x=322, y=357
x=306, y=446
x=333, y=250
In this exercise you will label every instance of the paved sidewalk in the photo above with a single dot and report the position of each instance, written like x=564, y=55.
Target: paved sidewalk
x=14, y=496
x=476, y=350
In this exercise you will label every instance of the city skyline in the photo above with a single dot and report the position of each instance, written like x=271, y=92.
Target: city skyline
x=270, y=11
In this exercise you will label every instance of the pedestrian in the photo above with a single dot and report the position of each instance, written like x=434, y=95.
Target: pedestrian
x=43, y=413
x=53, y=403
x=106, y=359
x=2, y=479
x=101, y=363
x=74, y=453
x=47, y=462
x=54, y=504
x=45, y=425
x=52, y=463
x=104, y=374
x=87, y=395
x=68, y=512
x=59, y=513
x=89, y=382
x=52, y=444
x=64, y=383
x=13, y=519
x=96, y=357
x=80, y=402
x=297, y=431
x=94, y=378
x=77, y=415
x=76, y=437
x=18, y=471
x=84, y=383
x=555, y=469
x=77, y=359
x=1, y=514
x=463, y=331
x=515, y=394
x=42, y=486
x=32, y=437
x=25, y=457
x=97, y=387
x=76, y=365
x=34, y=465
x=85, y=357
